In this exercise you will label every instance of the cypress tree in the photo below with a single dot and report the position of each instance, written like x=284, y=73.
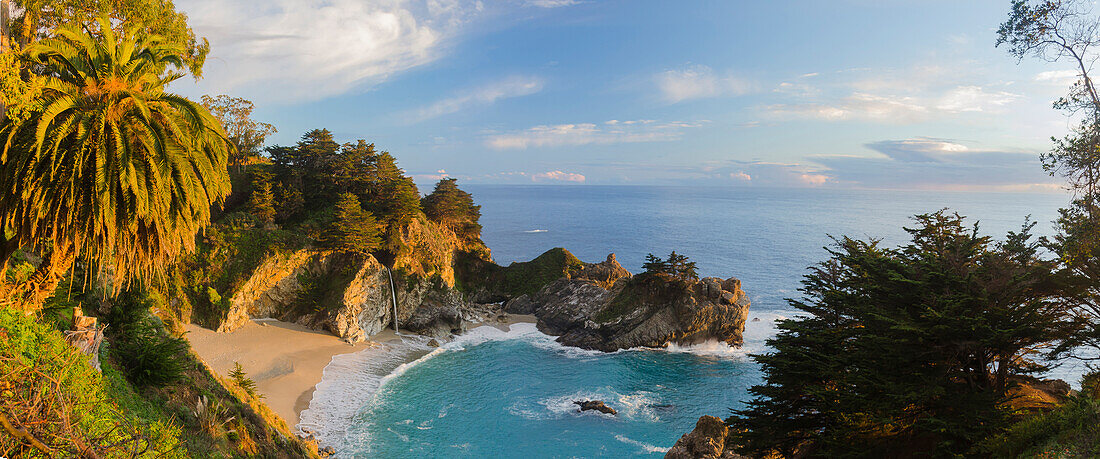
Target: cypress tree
x=261, y=203
x=454, y=208
x=908, y=349
x=354, y=230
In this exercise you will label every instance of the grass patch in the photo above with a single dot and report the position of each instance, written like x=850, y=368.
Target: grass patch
x=1072, y=430
x=473, y=273
x=642, y=291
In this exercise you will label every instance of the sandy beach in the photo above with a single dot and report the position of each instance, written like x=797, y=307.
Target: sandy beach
x=287, y=360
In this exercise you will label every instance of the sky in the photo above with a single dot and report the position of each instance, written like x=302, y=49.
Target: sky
x=845, y=93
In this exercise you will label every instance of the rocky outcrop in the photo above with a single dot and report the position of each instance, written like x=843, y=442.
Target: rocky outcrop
x=362, y=309
x=595, y=405
x=272, y=286
x=647, y=311
x=589, y=305
x=604, y=274
x=707, y=441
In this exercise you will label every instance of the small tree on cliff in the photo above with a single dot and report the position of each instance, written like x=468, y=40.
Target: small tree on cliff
x=908, y=349
x=354, y=230
x=262, y=202
x=453, y=208
x=676, y=266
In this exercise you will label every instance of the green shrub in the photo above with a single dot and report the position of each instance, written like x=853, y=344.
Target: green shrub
x=148, y=355
x=1071, y=430
x=50, y=389
x=243, y=381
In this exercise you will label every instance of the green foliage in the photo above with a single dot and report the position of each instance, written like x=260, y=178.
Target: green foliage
x=315, y=172
x=146, y=353
x=453, y=208
x=353, y=230
x=114, y=168
x=246, y=134
x=531, y=276
x=21, y=90
x=1071, y=430
x=676, y=266
x=261, y=204
x=242, y=380
x=39, y=19
x=906, y=349
x=50, y=389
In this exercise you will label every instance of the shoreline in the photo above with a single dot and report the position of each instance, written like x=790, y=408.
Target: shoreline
x=287, y=360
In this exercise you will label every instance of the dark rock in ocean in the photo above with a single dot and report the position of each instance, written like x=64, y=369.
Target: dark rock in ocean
x=648, y=310
x=707, y=441
x=433, y=343
x=595, y=405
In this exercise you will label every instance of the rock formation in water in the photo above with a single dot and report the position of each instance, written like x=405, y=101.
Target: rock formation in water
x=707, y=441
x=595, y=405
x=601, y=306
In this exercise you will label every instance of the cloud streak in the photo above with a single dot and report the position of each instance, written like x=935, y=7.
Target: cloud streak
x=698, y=82
x=862, y=106
x=610, y=132
x=485, y=95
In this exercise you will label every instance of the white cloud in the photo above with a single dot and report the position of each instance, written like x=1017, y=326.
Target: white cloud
x=1057, y=77
x=920, y=149
x=558, y=176
x=485, y=95
x=974, y=99
x=611, y=132
x=552, y=3
x=813, y=179
x=293, y=50
x=740, y=175
x=697, y=82
x=858, y=106
x=897, y=109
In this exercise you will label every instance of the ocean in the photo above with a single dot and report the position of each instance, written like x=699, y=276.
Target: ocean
x=491, y=393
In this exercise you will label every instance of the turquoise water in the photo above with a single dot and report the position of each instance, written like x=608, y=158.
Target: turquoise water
x=509, y=394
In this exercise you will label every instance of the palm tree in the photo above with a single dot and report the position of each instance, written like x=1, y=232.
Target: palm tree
x=113, y=169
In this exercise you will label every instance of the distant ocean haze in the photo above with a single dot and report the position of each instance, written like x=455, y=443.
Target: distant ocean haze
x=765, y=237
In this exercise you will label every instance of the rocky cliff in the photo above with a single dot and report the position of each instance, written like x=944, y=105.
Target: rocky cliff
x=443, y=283
x=350, y=295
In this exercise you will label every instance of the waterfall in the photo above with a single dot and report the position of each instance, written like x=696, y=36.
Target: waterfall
x=393, y=295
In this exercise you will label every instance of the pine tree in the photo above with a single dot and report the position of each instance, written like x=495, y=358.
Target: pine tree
x=393, y=196
x=243, y=381
x=262, y=202
x=453, y=208
x=354, y=229
x=680, y=267
x=655, y=265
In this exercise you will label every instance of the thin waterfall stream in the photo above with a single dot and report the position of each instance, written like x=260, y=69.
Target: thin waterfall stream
x=393, y=296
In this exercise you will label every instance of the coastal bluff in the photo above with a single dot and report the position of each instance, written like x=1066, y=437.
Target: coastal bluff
x=600, y=306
